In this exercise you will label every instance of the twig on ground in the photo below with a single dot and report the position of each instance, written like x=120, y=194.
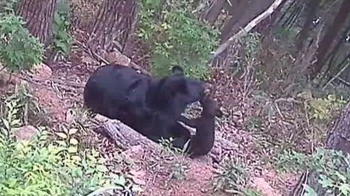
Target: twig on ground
x=336, y=76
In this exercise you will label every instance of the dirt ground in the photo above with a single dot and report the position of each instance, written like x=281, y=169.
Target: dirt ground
x=62, y=90
x=59, y=88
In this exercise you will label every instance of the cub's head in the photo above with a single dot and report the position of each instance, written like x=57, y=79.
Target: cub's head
x=210, y=107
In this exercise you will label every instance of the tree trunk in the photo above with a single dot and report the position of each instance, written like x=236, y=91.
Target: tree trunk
x=236, y=9
x=303, y=34
x=38, y=15
x=214, y=11
x=113, y=25
x=338, y=139
x=266, y=25
x=332, y=54
x=327, y=42
x=242, y=13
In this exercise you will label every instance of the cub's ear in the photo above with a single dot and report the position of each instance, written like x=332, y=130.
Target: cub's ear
x=177, y=70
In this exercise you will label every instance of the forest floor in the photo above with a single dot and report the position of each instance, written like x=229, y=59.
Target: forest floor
x=59, y=88
x=165, y=175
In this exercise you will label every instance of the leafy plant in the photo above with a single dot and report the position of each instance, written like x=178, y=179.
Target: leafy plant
x=61, y=37
x=233, y=178
x=29, y=110
x=168, y=147
x=321, y=108
x=331, y=166
x=176, y=37
x=18, y=49
x=39, y=167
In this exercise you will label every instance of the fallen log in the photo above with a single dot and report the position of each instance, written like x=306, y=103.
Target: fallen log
x=124, y=136
x=127, y=138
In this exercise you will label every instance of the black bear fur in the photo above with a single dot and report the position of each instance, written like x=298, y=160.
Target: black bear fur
x=151, y=106
x=202, y=142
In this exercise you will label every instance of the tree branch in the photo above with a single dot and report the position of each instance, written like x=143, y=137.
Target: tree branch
x=246, y=29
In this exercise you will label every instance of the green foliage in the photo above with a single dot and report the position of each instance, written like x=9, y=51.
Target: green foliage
x=61, y=37
x=251, y=44
x=321, y=108
x=246, y=56
x=168, y=147
x=18, y=49
x=28, y=107
x=253, y=123
x=39, y=168
x=233, y=179
x=176, y=37
x=331, y=166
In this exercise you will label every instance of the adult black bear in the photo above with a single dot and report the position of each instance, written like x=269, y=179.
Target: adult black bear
x=151, y=106
x=201, y=143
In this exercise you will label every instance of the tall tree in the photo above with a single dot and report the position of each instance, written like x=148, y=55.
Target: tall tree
x=328, y=41
x=242, y=12
x=303, y=34
x=38, y=15
x=214, y=11
x=113, y=25
x=338, y=139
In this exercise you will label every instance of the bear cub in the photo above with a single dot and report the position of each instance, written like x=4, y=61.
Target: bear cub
x=203, y=141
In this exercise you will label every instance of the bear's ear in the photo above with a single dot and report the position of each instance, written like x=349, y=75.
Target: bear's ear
x=177, y=70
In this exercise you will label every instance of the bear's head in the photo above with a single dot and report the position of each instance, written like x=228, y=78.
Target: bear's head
x=174, y=92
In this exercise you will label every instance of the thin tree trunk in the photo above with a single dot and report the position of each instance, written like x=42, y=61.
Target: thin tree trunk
x=214, y=11
x=236, y=11
x=312, y=6
x=113, y=25
x=338, y=139
x=223, y=47
x=38, y=15
x=327, y=42
x=330, y=58
x=266, y=25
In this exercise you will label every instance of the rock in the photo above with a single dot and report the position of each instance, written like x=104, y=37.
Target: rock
x=26, y=132
x=262, y=186
x=118, y=58
x=41, y=72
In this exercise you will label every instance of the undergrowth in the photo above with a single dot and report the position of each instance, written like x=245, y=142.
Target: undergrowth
x=19, y=50
x=42, y=166
x=176, y=37
x=331, y=167
x=61, y=37
x=233, y=178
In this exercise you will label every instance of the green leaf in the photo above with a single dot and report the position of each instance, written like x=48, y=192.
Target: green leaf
x=76, y=158
x=309, y=191
x=73, y=141
x=344, y=188
x=340, y=176
x=15, y=122
x=72, y=149
x=325, y=181
x=102, y=168
x=6, y=123
x=73, y=131
x=120, y=180
x=61, y=135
